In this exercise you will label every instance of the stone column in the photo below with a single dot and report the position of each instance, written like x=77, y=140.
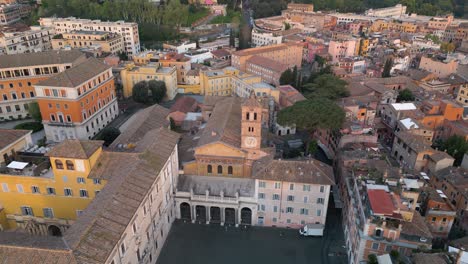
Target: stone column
x=208, y=215
x=222, y=216
x=236, y=217
x=194, y=213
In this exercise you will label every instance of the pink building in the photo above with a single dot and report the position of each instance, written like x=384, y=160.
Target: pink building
x=269, y=70
x=339, y=49
x=293, y=193
x=312, y=49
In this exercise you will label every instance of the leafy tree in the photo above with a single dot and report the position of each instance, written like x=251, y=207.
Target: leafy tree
x=387, y=68
x=109, y=134
x=405, y=95
x=295, y=76
x=122, y=56
x=158, y=90
x=312, y=114
x=372, y=259
x=287, y=77
x=140, y=92
x=456, y=146
x=326, y=86
x=34, y=111
x=232, y=39
x=287, y=26
x=447, y=47
x=313, y=147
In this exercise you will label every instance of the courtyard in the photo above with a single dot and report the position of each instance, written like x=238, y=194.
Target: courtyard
x=213, y=244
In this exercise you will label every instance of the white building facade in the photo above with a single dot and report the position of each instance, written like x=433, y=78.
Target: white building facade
x=34, y=40
x=128, y=30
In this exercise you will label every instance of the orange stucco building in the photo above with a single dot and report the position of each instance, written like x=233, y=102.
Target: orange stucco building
x=20, y=72
x=79, y=102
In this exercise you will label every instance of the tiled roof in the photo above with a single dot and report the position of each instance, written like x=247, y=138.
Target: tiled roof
x=267, y=63
x=75, y=149
x=8, y=136
x=220, y=53
x=76, y=75
x=23, y=248
x=184, y=104
x=40, y=58
x=381, y=202
x=258, y=50
x=417, y=227
x=427, y=258
x=141, y=123
x=224, y=124
x=130, y=176
x=303, y=171
x=415, y=142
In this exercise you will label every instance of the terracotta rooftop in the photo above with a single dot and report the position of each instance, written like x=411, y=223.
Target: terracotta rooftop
x=75, y=149
x=9, y=136
x=184, y=104
x=40, y=58
x=219, y=53
x=76, y=75
x=267, y=63
x=303, y=171
x=415, y=142
x=381, y=202
x=258, y=50
x=430, y=258
x=141, y=123
x=417, y=227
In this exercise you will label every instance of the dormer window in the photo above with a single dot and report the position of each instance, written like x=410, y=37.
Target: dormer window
x=59, y=164
x=70, y=165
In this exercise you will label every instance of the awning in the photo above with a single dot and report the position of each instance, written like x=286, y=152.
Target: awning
x=17, y=165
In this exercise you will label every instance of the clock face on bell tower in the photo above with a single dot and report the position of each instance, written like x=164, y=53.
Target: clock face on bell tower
x=250, y=142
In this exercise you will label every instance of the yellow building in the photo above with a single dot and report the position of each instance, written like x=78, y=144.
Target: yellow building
x=462, y=96
x=11, y=141
x=109, y=42
x=217, y=82
x=380, y=25
x=363, y=46
x=44, y=195
x=153, y=71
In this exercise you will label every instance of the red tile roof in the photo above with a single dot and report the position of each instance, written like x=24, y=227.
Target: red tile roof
x=381, y=202
x=184, y=104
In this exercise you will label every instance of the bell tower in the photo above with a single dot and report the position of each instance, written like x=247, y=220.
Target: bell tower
x=251, y=124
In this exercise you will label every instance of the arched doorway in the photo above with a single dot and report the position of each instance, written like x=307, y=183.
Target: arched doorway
x=54, y=231
x=246, y=216
x=230, y=216
x=200, y=213
x=185, y=211
x=215, y=215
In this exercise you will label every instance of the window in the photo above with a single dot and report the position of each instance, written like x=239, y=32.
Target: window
x=433, y=219
x=322, y=189
x=70, y=165
x=122, y=248
x=97, y=181
x=83, y=193
x=320, y=200
x=375, y=246
x=290, y=198
x=444, y=219
x=275, y=219
x=26, y=210
x=35, y=189
x=306, y=199
x=5, y=187
x=277, y=185
x=58, y=164
x=80, y=180
x=210, y=169
x=50, y=191
x=79, y=212
x=48, y=213
x=388, y=248
x=134, y=228
x=304, y=211
x=261, y=207
x=262, y=184
x=230, y=170
x=319, y=212
x=275, y=209
x=306, y=187
x=289, y=210
x=291, y=186
x=276, y=196
x=67, y=192
x=220, y=169
x=261, y=196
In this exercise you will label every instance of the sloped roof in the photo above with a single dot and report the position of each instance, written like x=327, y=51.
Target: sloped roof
x=267, y=63
x=76, y=75
x=75, y=149
x=417, y=227
x=130, y=176
x=224, y=124
x=381, y=202
x=415, y=142
x=141, y=123
x=184, y=104
x=8, y=136
x=303, y=171
x=40, y=58
x=23, y=248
